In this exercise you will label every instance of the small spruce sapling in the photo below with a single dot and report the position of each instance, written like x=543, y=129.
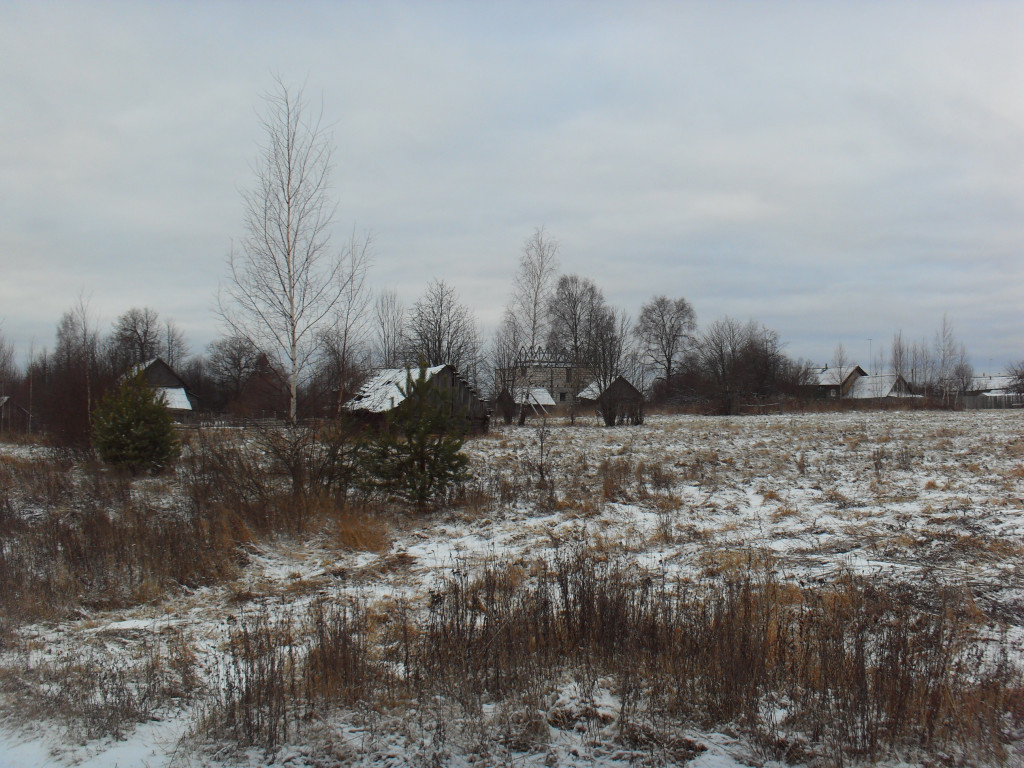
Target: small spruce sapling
x=418, y=456
x=133, y=430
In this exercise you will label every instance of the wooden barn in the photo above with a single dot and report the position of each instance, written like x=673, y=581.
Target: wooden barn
x=383, y=393
x=162, y=379
x=618, y=403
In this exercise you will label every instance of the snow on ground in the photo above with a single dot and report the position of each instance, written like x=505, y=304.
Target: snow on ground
x=926, y=496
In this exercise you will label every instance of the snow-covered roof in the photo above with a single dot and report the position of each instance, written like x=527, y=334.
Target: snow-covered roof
x=591, y=392
x=996, y=384
x=871, y=387
x=533, y=396
x=384, y=391
x=174, y=398
x=829, y=377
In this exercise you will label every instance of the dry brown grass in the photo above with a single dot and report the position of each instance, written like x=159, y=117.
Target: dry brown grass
x=857, y=670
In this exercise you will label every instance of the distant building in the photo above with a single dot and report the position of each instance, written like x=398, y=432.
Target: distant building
x=832, y=382
x=546, y=368
x=885, y=385
x=618, y=403
x=167, y=385
x=384, y=392
x=998, y=391
x=523, y=403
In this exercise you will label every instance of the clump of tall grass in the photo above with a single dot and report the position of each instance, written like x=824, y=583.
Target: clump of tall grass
x=852, y=670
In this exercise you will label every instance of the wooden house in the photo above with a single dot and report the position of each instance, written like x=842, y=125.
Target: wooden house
x=829, y=383
x=385, y=392
x=878, y=387
x=168, y=386
x=618, y=403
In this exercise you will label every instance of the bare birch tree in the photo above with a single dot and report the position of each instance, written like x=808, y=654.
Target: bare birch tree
x=283, y=285
x=174, y=346
x=534, y=284
x=842, y=365
x=898, y=361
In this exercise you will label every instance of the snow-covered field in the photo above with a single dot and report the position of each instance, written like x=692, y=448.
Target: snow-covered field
x=923, y=497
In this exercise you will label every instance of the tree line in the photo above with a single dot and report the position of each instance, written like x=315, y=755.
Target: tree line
x=303, y=326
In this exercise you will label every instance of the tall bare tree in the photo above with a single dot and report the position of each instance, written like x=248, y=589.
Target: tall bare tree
x=283, y=285
x=389, y=324
x=8, y=370
x=898, y=354
x=136, y=337
x=841, y=365
x=76, y=374
x=720, y=353
x=575, y=309
x=534, y=284
x=174, y=348
x=505, y=350
x=1016, y=373
x=345, y=341
x=442, y=331
x=232, y=362
x=664, y=328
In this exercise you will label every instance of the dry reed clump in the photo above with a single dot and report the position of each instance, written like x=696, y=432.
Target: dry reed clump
x=856, y=669
x=97, y=694
x=95, y=547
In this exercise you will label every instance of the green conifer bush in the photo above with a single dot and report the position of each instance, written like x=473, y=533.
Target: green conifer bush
x=418, y=456
x=133, y=430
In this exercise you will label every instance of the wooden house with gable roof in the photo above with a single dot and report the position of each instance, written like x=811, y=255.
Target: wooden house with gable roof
x=385, y=392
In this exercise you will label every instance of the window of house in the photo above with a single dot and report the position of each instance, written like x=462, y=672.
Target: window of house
x=561, y=397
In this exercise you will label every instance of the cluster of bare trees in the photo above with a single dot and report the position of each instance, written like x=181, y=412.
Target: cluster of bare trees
x=58, y=390
x=304, y=323
x=661, y=352
x=940, y=367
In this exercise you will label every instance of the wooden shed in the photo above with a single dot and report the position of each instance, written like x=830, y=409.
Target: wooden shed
x=385, y=392
x=618, y=403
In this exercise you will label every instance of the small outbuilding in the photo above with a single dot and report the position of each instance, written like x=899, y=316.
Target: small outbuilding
x=167, y=385
x=618, y=403
x=524, y=402
x=385, y=392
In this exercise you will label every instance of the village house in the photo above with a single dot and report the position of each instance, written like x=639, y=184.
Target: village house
x=168, y=386
x=385, y=392
x=833, y=382
x=879, y=386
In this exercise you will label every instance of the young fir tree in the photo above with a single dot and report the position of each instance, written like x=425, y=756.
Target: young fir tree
x=418, y=455
x=132, y=428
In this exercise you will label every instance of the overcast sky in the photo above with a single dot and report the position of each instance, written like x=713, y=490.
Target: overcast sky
x=836, y=171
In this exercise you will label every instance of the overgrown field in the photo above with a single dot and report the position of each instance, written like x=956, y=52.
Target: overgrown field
x=824, y=589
